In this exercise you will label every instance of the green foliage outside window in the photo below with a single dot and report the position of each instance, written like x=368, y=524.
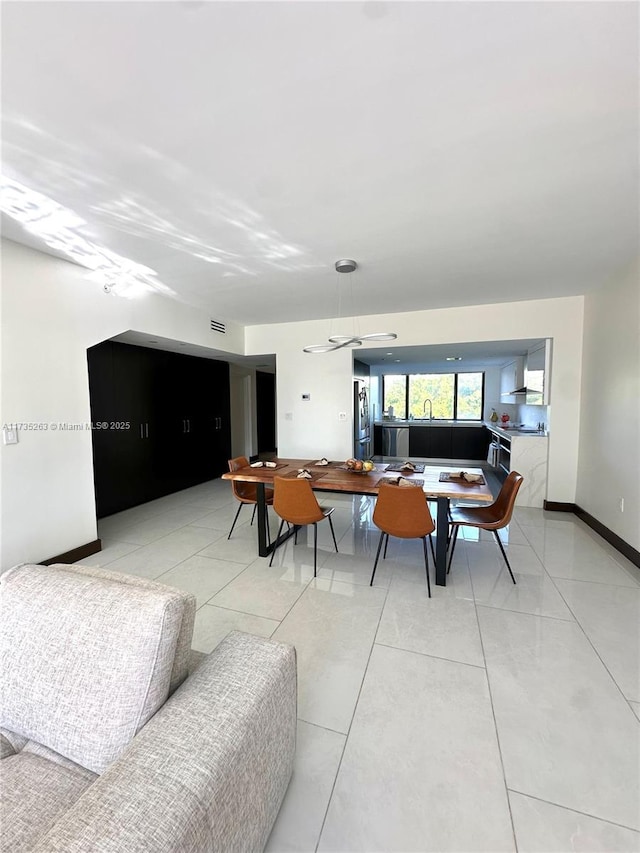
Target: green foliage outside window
x=463, y=402
x=395, y=394
x=470, y=396
x=437, y=387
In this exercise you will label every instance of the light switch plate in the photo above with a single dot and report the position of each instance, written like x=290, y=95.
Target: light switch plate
x=306, y=397
x=342, y=416
x=10, y=436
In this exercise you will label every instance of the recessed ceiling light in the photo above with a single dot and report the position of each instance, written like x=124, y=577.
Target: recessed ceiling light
x=397, y=359
x=389, y=353
x=453, y=358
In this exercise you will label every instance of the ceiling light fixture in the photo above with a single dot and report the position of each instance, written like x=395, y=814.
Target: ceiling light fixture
x=453, y=358
x=348, y=341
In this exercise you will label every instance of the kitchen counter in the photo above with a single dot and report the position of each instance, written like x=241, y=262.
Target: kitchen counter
x=418, y=422
x=510, y=432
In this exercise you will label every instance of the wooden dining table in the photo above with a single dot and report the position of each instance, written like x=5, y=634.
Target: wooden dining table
x=335, y=477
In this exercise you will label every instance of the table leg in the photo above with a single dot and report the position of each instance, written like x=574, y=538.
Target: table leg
x=442, y=532
x=263, y=548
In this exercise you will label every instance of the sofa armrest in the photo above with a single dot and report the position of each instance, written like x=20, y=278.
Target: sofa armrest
x=208, y=772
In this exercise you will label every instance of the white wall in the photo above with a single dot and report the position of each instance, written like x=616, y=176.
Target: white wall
x=315, y=428
x=244, y=438
x=609, y=457
x=51, y=314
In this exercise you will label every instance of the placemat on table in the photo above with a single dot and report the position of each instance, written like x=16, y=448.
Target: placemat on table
x=449, y=477
x=398, y=466
x=393, y=481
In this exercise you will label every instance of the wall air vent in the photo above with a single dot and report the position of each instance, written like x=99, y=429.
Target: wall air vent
x=219, y=326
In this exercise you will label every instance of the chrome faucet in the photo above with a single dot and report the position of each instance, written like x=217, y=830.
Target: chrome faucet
x=424, y=408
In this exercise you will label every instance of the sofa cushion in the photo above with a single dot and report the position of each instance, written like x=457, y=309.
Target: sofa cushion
x=35, y=793
x=182, y=660
x=86, y=660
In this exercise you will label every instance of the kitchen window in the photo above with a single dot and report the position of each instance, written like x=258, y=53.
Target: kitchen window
x=453, y=396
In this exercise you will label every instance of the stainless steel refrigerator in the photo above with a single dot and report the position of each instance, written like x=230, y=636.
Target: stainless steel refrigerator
x=361, y=421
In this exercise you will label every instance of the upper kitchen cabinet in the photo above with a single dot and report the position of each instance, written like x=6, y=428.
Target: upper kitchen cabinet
x=512, y=381
x=526, y=378
x=536, y=375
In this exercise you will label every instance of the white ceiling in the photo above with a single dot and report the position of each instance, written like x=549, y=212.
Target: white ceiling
x=434, y=356
x=461, y=152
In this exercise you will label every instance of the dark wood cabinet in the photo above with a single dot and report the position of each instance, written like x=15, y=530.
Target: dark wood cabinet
x=161, y=423
x=196, y=418
x=470, y=443
x=430, y=442
x=442, y=442
x=419, y=442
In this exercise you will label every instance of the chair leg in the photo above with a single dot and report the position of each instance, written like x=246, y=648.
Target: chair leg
x=234, y=521
x=315, y=547
x=495, y=533
x=266, y=515
x=386, y=543
x=273, y=553
x=295, y=534
x=333, y=533
x=456, y=530
x=426, y=564
x=375, y=565
x=253, y=514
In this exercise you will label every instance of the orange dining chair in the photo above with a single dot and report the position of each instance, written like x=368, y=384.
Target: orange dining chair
x=493, y=517
x=296, y=504
x=247, y=493
x=403, y=512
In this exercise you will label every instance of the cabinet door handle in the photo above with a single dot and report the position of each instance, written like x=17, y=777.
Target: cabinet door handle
x=141, y=431
x=184, y=426
x=188, y=425
x=146, y=429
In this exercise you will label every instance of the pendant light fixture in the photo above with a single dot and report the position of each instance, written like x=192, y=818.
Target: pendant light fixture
x=348, y=341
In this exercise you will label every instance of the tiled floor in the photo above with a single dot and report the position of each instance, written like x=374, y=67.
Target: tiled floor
x=491, y=717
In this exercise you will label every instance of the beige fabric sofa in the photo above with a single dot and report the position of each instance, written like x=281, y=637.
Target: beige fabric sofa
x=98, y=753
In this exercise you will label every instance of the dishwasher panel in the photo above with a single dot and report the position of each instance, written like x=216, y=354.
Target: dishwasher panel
x=395, y=441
